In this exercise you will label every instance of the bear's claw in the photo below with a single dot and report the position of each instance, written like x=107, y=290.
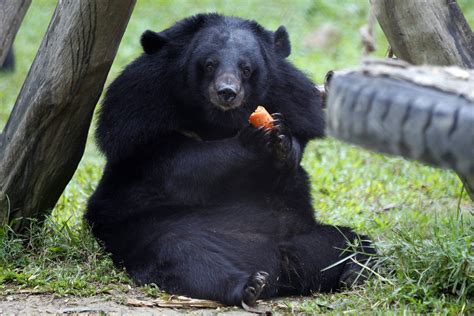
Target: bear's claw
x=254, y=287
x=281, y=140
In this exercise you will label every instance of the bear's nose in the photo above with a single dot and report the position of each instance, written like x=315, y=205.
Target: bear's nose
x=227, y=94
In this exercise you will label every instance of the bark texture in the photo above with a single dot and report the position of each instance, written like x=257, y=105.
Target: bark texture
x=44, y=138
x=431, y=32
x=11, y=16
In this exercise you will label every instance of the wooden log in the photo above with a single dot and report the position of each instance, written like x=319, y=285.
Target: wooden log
x=44, y=138
x=426, y=31
x=11, y=16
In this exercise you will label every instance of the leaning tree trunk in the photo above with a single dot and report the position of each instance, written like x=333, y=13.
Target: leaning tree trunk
x=11, y=15
x=45, y=136
x=428, y=32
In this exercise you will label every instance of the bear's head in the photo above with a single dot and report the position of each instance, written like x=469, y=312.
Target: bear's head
x=206, y=74
x=224, y=62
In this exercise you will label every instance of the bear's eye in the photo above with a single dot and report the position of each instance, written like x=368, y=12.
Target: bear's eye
x=209, y=67
x=246, y=72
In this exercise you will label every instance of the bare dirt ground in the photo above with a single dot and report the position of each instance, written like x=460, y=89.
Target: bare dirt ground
x=47, y=304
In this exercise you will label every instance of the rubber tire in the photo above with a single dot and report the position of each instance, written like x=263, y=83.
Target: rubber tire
x=401, y=118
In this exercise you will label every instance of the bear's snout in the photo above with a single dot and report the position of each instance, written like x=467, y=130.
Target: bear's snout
x=226, y=92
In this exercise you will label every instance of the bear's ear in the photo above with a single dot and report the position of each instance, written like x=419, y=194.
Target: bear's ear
x=282, y=42
x=152, y=41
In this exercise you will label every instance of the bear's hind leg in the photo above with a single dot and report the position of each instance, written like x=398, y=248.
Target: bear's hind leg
x=321, y=261
x=214, y=266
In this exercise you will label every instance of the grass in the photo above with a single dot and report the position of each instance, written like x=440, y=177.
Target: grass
x=418, y=215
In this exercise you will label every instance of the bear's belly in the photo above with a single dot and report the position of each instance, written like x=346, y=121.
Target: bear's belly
x=265, y=217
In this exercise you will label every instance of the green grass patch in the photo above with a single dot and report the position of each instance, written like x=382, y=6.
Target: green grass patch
x=420, y=218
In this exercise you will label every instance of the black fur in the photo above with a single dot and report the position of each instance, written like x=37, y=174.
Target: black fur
x=193, y=198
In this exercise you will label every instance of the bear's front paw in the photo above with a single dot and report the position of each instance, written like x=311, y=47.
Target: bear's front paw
x=281, y=142
x=257, y=140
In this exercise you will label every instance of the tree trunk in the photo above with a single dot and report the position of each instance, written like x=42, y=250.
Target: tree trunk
x=11, y=15
x=44, y=138
x=431, y=32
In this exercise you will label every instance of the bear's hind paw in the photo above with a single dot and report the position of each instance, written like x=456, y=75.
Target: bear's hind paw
x=254, y=288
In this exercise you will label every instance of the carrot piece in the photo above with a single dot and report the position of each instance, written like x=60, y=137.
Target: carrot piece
x=260, y=117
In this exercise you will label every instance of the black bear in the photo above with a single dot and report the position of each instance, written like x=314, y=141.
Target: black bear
x=195, y=199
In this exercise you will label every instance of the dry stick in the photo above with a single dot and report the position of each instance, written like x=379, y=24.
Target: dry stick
x=45, y=136
x=389, y=53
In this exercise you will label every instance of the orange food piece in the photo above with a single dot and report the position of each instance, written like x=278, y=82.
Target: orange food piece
x=261, y=117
